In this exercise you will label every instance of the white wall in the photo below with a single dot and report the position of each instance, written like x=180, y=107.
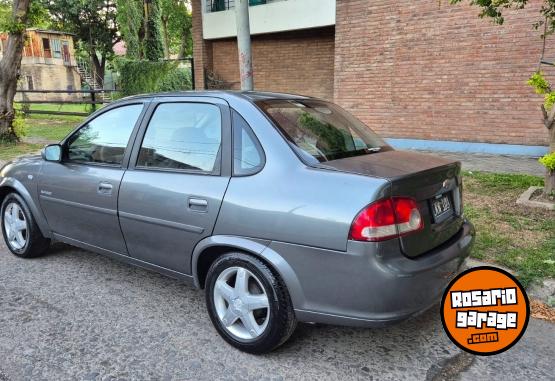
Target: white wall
x=277, y=16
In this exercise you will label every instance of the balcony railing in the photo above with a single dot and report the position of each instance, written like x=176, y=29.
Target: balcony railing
x=224, y=5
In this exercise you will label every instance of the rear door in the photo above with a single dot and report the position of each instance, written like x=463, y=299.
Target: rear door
x=179, y=171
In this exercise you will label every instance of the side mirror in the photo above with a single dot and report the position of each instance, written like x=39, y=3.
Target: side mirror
x=52, y=152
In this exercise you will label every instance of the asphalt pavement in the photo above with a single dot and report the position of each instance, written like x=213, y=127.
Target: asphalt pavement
x=75, y=315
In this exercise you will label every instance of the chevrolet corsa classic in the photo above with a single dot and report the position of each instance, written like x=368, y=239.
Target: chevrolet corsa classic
x=282, y=208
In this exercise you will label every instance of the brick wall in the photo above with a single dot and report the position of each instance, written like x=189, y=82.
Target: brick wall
x=413, y=69
x=296, y=62
x=202, y=49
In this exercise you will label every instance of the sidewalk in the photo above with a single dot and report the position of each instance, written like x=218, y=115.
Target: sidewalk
x=494, y=163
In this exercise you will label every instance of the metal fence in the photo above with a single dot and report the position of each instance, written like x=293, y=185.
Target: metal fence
x=223, y=5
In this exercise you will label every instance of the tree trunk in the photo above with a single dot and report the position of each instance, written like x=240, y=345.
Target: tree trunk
x=185, y=35
x=99, y=67
x=549, y=182
x=549, y=121
x=166, y=37
x=9, y=69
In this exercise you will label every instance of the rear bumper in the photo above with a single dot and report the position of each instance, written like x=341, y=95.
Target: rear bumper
x=375, y=284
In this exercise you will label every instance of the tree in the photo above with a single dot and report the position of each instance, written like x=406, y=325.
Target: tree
x=94, y=24
x=10, y=66
x=176, y=27
x=130, y=20
x=546, y=19
x=140, y=23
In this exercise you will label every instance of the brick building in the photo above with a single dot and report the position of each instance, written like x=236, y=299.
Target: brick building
x=423, y=73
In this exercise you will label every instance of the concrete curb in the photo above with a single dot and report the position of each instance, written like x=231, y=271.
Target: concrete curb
x=524, y=200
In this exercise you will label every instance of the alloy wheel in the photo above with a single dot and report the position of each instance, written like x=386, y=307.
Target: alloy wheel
x=241, y=303
x=15, y=225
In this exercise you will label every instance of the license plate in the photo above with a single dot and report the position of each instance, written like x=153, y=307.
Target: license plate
x=441, y=207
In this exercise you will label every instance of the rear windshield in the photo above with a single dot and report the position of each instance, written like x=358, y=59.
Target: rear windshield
x=321, y=131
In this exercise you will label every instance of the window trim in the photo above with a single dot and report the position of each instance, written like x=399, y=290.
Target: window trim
x=128, y=147
x=219, y=169
x=256, y=142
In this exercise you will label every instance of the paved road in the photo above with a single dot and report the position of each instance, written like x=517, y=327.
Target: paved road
x=74, y=315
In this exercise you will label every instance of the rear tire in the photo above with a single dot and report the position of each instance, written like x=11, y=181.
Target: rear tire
x=19, y=229
x=248, y=304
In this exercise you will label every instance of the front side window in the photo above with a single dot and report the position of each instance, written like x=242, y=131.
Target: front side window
x=183, y=136
x=103, y=140
x=321, y=131
x=248, y=157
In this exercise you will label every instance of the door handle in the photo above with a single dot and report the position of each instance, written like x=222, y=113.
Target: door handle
x=198, y=204
x=105, y=188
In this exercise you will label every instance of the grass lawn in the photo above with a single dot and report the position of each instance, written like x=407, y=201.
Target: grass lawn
x=9, y=151
x=54, y=130
x=54, y=127
x=514, y=236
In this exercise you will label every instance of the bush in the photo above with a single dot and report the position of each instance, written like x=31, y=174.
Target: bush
x=141, y=76
x=19, y=126
x=548, y=161
x=176, y=80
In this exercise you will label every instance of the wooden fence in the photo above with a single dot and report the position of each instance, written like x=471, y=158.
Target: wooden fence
x=91, y=97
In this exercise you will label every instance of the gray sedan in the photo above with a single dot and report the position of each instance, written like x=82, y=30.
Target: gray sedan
x=282, y=208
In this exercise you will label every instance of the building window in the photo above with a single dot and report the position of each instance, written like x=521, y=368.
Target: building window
x=46, y=48
x=30, y=84
x=56, y=49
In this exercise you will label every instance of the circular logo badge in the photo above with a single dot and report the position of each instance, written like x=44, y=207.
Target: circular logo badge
x=485, y=311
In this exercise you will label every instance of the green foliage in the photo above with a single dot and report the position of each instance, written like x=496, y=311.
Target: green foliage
x=539, y=83
x=93, y=22
x=549, y=100
x=176, y=16
x=154, y=49
x=130, y=19
x=37, y=17
x=142, y=76
x=19, y=126
x=548, y=161
x=176, y=80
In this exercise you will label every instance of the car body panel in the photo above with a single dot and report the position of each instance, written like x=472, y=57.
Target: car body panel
x=21, y=175
x=316, y=209
x=160, y=224
x=76, y=207
x=420, y=177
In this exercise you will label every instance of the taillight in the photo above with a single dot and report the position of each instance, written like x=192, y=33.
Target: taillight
x=386, y=219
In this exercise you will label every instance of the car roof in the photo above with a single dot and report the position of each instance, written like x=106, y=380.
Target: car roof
x=252, y=96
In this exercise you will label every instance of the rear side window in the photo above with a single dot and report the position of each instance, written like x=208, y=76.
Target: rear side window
x=103, y=140
x=248, y=157
x=321, y=131
x=183, y=136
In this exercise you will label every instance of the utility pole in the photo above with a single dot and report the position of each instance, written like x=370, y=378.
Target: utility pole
x=244, y=44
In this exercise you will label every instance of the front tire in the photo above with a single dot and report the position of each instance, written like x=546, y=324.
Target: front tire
x=248, y=304
x=21, y=233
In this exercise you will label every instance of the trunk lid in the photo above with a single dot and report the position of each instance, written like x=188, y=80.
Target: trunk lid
x=426, y=178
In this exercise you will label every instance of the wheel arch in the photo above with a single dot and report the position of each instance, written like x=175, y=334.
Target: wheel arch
x=9, y=185
x=210, y=248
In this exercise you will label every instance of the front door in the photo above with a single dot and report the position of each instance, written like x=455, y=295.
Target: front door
x=65, y=53
x=171, y=195
x=79, y=195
